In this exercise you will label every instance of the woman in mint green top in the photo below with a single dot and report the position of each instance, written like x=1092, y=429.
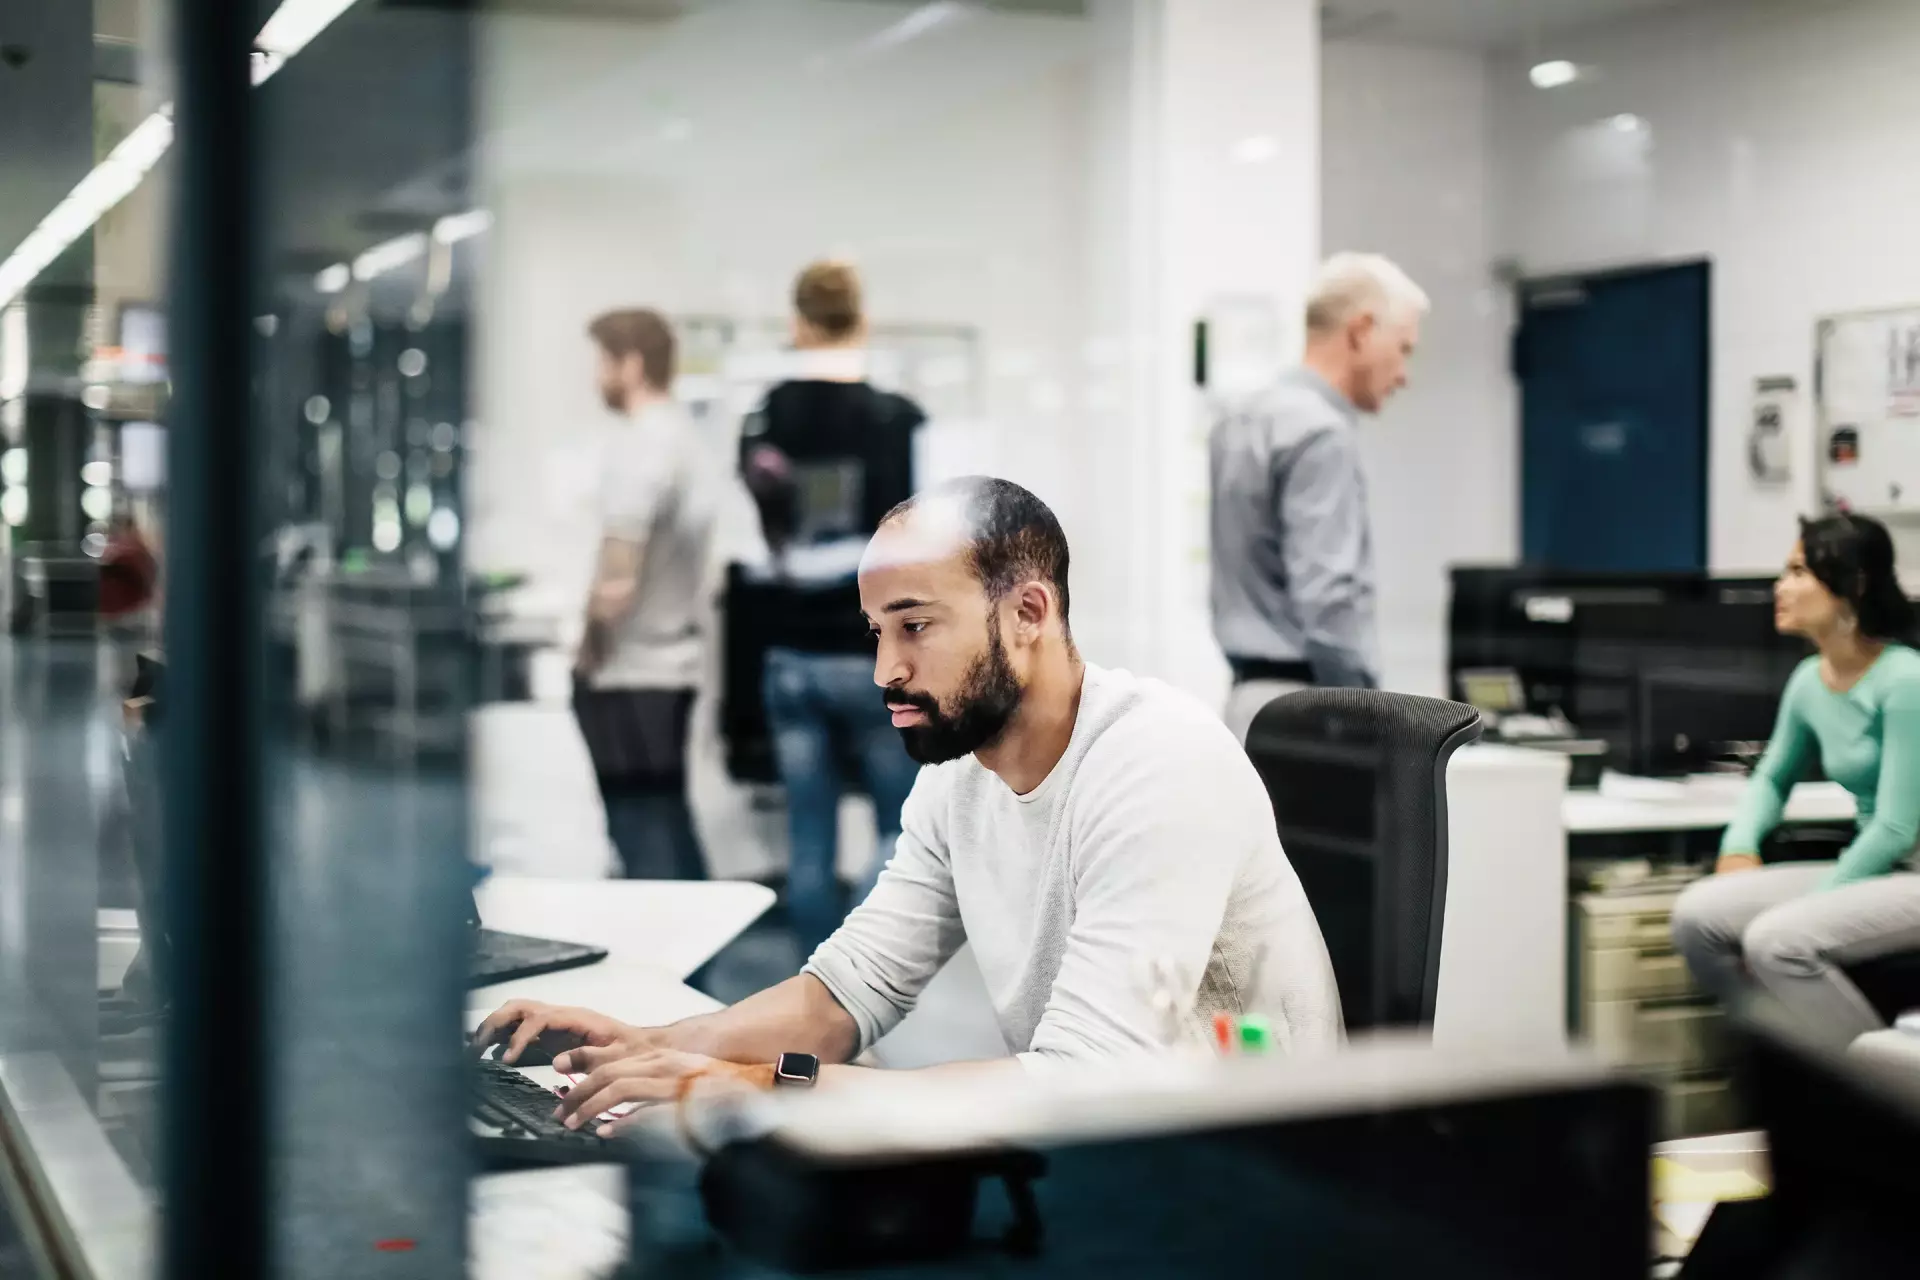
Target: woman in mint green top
x=1867, y=738
x=1855, y=707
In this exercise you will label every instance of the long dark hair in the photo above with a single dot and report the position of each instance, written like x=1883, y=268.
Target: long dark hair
x=1852, y=556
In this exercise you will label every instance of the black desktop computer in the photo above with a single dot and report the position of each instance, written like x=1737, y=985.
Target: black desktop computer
x=1675, y=673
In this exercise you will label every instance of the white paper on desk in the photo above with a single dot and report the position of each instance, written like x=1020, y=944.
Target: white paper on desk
x=548, y=1223
x=1626, y=786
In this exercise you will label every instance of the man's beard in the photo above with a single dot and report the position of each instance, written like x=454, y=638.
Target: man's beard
x=987, y=700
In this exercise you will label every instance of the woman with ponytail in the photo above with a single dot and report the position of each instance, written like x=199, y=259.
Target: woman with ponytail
x=1855, y=706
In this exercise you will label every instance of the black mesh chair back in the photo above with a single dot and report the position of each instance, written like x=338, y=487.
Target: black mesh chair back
x=1358, y=781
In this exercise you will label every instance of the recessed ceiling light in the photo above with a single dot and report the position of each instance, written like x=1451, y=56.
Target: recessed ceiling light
x=1554, y=74
x=1627, y=122
x=1257, y=149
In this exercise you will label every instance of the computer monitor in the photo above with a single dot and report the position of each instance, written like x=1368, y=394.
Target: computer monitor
x=1673, y=671
x=1682, y=682
x=1694, y=720
x=1843, y=1148
x=1496, y=691
x=1381, y=1161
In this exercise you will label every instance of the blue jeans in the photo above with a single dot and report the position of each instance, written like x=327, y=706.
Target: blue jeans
x=823, y=710
x=652, y=831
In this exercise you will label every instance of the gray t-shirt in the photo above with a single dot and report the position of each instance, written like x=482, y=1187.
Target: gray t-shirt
x=1149, y=850
x=1293, y=575
x=659, y=488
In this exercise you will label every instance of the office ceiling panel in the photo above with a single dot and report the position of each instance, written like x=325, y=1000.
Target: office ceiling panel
x=1485, y=24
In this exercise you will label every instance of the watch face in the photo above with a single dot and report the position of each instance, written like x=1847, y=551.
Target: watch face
x=796, y=1070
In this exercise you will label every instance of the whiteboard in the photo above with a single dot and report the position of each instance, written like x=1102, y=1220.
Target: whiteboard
x=1867, y=411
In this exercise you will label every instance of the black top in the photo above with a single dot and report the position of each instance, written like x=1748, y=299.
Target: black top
x=851, y=450
x=845, y=459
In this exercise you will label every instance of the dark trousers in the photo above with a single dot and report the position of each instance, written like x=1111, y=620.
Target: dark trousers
x=637, y=740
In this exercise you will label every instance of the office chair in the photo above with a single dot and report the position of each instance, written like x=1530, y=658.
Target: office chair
x=1358, y=779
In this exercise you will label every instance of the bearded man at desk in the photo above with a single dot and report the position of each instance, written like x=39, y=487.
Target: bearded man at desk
x=1081, y=827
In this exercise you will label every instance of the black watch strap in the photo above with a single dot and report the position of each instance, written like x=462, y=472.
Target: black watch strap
x=796, y=1071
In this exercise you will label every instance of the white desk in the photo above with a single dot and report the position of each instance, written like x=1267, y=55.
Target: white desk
x=1697, y=804
x=674, y=926
x=568, y=1223
x=621, y=988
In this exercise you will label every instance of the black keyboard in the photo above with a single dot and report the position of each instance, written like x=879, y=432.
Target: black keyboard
x=502, y=957
x=516, y=1123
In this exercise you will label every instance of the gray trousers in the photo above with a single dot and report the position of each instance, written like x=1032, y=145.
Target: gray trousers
x=1776, y=929
x=1248, y=698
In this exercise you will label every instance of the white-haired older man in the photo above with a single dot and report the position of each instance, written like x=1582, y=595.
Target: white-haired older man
x=1292, y=590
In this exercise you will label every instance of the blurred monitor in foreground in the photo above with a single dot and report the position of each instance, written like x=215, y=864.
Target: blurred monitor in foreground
x=1843, y=1143
x=1387, y=1160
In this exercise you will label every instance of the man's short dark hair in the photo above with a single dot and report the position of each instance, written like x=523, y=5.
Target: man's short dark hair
x=636, y=331
x=1015, y=537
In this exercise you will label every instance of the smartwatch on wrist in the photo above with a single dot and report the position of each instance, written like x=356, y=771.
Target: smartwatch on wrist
x=796, y=1071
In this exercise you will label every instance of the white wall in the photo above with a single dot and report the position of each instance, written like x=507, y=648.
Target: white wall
x=961, y=202
x=1406, y=170
x=1226, y=75
x=954, y=171
x=1780, y=143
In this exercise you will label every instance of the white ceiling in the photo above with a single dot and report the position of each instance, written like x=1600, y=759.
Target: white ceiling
x=749, y=86
x=1487, y=24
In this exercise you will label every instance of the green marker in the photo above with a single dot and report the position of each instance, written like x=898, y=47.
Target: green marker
x=1255, y=1035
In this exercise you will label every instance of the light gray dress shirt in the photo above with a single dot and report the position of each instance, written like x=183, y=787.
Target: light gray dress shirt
x=1293, y=575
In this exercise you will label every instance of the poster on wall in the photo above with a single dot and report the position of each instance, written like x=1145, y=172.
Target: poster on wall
x=1903, y=368
x=1865, y=407
x=1774, y=405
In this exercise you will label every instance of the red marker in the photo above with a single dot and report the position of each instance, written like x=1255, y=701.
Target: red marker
x=1223, y=1032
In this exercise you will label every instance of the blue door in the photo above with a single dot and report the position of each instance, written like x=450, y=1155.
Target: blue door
x=1612, y=370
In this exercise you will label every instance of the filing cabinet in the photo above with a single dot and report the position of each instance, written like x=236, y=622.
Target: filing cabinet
x=1633, y=1000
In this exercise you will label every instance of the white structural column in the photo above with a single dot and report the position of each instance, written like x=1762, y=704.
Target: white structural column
x=1216, y=209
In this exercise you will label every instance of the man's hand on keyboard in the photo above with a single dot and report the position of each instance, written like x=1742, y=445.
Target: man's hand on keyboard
x=617, y=1074
x=519, y=1023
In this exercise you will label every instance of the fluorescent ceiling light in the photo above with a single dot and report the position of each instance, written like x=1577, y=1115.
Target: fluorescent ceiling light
x=295, y=23
x=456, y=227
x=291, y=28
x=334, y=278
x=1554, y=74
x=389, y=255
x=918, y=23
x=13, y=352
x=109, y=183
